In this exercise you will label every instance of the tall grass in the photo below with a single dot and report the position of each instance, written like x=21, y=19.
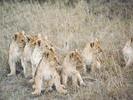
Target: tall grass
x=74, y=22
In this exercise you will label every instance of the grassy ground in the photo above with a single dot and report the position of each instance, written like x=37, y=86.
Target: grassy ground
x=76, y=23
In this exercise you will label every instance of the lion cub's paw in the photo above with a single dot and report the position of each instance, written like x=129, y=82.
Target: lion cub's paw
x=49, y=89
x=33, y=86
x=10, y=74
x=36, y=93
x=82, y=84
x=31, y=81
x=63, y=86
x=62, y=91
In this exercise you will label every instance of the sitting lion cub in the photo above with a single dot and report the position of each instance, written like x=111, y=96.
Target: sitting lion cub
x=72, y=66
x=38, y=53
x=128, y=53
x=90, y=55
x=46, y=72
x=16, y=51
x=28, y=50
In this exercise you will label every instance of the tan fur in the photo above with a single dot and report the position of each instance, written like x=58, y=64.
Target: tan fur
x=15, y=51
x=96, y=65
x=72, y=65
x=128, y=53
x=47, y=71
x=40, y=45
x=90, y=54
x=26, y=57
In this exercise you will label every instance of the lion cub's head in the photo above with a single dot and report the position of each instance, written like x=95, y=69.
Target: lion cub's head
x=95, y=46
x=31, y=39
x=129, y=42
x=43, y=43
x=75, y=57
x=47, y=48
x=51, y=55
x=20, y=39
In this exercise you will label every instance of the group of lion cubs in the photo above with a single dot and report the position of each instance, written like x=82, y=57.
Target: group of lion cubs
x=38, y=53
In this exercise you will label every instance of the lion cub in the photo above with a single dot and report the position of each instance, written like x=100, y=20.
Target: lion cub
x=16, y=51
x=38, y=53
x=72, y=66
x=28, y=50
x=46, y=72
x=90, y=55
x=128, y=53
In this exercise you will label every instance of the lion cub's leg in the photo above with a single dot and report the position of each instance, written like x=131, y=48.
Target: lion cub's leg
x=24, y=65
x=129, y=63
x=77, y=78
x=96, y=66
x=49, y=86
x=74, y=80
x=59, y=87
x=81, y=82
x=64, y=79
x=12, y=65
x=37, y=85
x=33, y=73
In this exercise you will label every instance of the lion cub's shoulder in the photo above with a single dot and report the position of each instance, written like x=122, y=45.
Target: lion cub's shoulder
x=128, y=52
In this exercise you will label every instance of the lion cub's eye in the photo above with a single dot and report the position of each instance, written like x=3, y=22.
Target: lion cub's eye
x=34, y=43
x=46, y=46
x=22, y=40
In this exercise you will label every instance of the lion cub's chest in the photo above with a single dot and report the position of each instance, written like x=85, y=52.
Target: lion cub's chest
x=15, y=51
x=128, y=52
x=87, y=56
x=46, y=70
x=36, y=56
x=69, y=67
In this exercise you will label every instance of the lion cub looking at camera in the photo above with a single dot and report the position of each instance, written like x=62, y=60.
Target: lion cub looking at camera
x=46, y=72
x=90, y=55
x=128, y=53
x=28, y=50
x=72, y=66
x=16, y=51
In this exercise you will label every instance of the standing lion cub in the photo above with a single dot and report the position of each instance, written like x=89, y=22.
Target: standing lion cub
x=15, y=51
x=28, y=50
x=128, y=53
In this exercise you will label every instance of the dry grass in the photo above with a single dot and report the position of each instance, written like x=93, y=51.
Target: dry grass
x=111, y=22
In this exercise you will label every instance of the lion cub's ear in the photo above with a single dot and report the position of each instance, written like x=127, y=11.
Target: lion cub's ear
x=23, y=32
x=131, y=39
x=51, y=49
x=72, y=54
x=92, y=44
x=76, y=50
x=39, y=42
x=46, y=38
x=47, y=55
x=15, y=36
x=28, y=38
x=39, y=36
x=97, y=41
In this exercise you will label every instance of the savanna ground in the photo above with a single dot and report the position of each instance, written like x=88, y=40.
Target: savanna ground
x=75, y=22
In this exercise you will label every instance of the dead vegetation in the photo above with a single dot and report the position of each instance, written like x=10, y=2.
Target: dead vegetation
x=74, y=23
